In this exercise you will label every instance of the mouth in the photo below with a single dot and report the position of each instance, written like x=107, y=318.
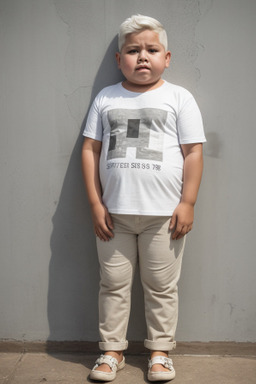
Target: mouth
x=142, y=68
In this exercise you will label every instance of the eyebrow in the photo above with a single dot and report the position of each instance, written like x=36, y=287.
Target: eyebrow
x=138, y=45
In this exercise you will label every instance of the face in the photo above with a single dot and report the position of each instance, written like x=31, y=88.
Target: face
x=142, y=61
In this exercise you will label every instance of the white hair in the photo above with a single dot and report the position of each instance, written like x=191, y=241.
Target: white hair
x=137, y=23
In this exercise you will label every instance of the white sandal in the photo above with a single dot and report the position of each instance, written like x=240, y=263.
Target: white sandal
x=112, y=363
x=161, y=375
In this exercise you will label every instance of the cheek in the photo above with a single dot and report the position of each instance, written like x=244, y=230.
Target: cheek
x=128, y=63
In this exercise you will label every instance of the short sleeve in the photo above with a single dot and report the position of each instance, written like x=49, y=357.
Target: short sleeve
x=93, y=127
x=189, y=121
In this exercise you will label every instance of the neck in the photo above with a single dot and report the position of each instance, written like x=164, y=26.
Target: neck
x=140, y=88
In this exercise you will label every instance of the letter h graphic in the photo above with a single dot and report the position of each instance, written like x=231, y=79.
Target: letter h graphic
x=136, y=129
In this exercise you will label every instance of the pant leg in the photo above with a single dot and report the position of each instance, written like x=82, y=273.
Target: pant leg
x=160, y=260
x=117, y=258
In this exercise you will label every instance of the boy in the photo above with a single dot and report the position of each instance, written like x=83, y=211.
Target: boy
x=142, y=164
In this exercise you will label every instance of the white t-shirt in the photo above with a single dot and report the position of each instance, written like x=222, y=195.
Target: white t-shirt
x=141, y=163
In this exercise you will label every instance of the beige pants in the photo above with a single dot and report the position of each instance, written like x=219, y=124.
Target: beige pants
x=146, y=239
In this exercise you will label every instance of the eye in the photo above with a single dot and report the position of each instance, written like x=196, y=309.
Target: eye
x=132, y=51
x=153, y=50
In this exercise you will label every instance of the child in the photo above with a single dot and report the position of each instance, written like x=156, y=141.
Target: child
x=142, y=165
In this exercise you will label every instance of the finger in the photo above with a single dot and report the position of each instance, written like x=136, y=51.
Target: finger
x=101, y=235
x=179, y=232
x=173, y=222
x=107, y=232
x=109, y=221
x=175, y=234
x=104, y=233
x=185, y=230
x=180, y=236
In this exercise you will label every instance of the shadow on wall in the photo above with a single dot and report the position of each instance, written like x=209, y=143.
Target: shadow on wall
x=74, y=270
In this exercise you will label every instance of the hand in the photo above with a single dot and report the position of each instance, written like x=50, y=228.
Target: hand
x=182, y=220
x=103, y=224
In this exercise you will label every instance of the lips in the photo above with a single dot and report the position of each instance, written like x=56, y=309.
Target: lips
x=142, y=67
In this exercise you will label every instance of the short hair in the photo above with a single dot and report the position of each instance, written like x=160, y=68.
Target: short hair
x=137, y=23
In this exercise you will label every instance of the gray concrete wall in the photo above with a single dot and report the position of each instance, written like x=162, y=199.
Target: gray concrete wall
x=55, y=55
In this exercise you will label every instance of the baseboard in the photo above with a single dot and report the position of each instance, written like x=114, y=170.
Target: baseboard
x=135, y=348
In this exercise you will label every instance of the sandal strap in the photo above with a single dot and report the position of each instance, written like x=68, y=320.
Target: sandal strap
x=109, y=360
x=166, y=362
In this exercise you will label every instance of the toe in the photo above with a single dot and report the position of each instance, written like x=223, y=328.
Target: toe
x=159, y=368
x=103, y=368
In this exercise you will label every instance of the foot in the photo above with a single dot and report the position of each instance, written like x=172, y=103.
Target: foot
x=158, y=367
x=105, y=367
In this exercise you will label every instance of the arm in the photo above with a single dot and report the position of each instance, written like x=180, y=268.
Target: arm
x=183, y=215
x=90, y=164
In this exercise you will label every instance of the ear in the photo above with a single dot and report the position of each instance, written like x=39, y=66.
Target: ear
x=167, y=58
x=118, y=59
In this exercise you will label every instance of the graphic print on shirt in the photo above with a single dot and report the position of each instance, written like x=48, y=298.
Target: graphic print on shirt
x=142, y=129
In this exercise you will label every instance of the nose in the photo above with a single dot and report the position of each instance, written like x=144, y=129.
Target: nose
x=142, y=56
